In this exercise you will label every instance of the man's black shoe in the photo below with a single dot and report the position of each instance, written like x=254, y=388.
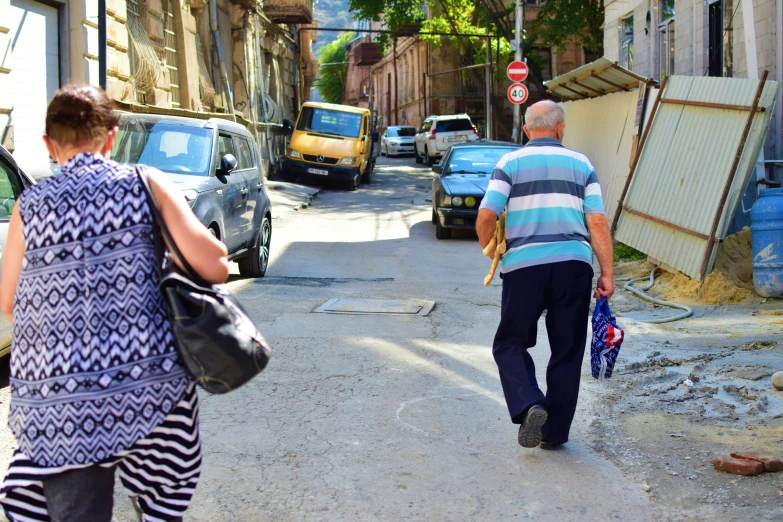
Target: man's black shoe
x=550, y=445
x=530, y=430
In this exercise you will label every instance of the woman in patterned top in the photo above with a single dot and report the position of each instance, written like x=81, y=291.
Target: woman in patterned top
x=97, y=384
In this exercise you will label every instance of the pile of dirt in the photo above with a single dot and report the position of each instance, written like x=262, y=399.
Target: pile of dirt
x=735, y=259
x=632, y=270
x=718, y=288
x=731, y=281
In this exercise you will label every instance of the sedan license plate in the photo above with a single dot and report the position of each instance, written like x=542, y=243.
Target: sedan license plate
x=457, y=139
x=318, y=171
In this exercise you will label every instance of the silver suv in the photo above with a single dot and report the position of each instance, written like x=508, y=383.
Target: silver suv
x=438, y=133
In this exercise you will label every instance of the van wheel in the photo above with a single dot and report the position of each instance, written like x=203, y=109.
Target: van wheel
x=355, y=182
x=255, y=262
x=367, y=178
x=416, y=153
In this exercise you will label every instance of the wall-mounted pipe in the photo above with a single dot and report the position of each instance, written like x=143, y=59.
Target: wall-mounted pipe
x=262, y=88
x=779, y=74
x=213, y=24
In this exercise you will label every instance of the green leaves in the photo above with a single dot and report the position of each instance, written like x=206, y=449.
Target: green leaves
x=563, y=22
x=332, y=71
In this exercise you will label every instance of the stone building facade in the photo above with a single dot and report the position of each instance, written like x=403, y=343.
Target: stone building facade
x=406, y=88
x=160, y=54
x=656, y=38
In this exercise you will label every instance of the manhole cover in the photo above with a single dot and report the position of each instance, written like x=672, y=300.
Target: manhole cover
x=347, y=305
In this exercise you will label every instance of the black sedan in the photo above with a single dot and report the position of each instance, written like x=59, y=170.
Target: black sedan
x=461, y=180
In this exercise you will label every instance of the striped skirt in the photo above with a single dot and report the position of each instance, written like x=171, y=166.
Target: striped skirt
x=160, y=471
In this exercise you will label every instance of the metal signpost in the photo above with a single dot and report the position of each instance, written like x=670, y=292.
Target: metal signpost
x=517, y=94
x=517, y=71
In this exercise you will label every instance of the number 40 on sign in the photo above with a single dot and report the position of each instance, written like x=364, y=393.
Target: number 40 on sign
x=517, y=93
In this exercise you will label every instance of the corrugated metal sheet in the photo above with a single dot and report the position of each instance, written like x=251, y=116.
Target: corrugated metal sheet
x=600, y=77
x=685, y=164
x=602, y=128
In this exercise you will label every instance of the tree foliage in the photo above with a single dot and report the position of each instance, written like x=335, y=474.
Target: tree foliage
x=332, y=71
x=563, y=22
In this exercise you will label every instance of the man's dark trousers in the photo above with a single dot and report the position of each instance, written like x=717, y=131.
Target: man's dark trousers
x=563, y=290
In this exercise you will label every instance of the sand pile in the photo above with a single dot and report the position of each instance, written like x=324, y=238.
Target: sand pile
x=731, y=281
x=736, y=260
x=718, y=288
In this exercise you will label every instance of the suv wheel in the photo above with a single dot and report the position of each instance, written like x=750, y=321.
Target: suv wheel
x=430, y=161
x=255, y=262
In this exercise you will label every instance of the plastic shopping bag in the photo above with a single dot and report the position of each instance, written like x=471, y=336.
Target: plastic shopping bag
x=607, y=338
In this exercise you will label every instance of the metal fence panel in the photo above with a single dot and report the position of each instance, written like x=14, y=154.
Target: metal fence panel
x=685, y=165
x=602, y=128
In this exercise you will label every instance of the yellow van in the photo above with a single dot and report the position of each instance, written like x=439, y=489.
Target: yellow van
x=331, y=141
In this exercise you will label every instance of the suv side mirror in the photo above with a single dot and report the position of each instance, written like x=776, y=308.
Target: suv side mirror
x=288, y=127
x=437, y=169
x=374, y=136
x=228, y=164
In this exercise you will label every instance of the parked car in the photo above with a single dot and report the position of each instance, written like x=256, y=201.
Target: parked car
x=460, y=182
x=12, y=182
x=438, y=133
x=331, y=141
x=217, y=168
x=398, y=140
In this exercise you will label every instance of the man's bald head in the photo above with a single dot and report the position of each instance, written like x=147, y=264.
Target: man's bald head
x=545, y=119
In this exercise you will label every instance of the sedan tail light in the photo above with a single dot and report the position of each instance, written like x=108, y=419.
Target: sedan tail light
x=433, y=131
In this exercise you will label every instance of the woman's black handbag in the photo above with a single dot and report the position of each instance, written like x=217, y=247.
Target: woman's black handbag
x=219, y=344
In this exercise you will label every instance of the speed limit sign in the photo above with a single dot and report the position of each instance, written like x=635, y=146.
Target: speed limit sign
x=517, y=93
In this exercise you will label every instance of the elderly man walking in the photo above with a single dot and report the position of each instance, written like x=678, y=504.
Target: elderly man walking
x=555, y=213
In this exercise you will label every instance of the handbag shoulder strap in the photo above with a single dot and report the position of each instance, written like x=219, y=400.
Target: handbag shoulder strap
x=161, y=226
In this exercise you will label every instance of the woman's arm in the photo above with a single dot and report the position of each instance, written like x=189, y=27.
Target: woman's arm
x=203, y=251
x=12, y=263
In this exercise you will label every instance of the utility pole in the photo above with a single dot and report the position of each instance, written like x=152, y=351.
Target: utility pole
x=518, y=27
x=488, y=89
x=102, y=51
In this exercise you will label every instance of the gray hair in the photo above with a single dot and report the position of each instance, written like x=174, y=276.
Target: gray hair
x=544, y=115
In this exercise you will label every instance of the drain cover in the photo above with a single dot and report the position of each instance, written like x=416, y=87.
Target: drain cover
x=347, y=305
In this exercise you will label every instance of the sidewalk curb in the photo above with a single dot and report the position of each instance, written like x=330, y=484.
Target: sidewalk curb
x=305, y=192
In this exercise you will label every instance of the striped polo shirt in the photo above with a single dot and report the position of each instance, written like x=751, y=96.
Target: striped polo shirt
x=548, y=189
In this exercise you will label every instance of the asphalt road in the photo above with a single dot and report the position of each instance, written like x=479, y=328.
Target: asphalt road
x=363, y=417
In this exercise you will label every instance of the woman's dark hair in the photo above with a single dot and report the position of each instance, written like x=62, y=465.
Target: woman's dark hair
x=80, y=114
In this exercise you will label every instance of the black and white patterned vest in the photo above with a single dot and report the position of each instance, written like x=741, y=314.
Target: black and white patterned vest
x=94, y=367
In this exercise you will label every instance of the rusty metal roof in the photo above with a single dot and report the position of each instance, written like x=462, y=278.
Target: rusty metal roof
x=693, y=168
x=600, y=77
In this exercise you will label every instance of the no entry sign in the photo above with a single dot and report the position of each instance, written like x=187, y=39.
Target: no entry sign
x=517, y=71
x=517, y=93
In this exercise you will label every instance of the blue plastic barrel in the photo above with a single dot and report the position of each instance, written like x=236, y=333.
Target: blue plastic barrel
x=766, y=233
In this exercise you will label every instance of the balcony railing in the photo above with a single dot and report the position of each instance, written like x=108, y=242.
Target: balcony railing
x=367, y=53
x=289, y=11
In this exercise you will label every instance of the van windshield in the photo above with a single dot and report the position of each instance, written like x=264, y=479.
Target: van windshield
x=172, y=148
x=330, y=121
